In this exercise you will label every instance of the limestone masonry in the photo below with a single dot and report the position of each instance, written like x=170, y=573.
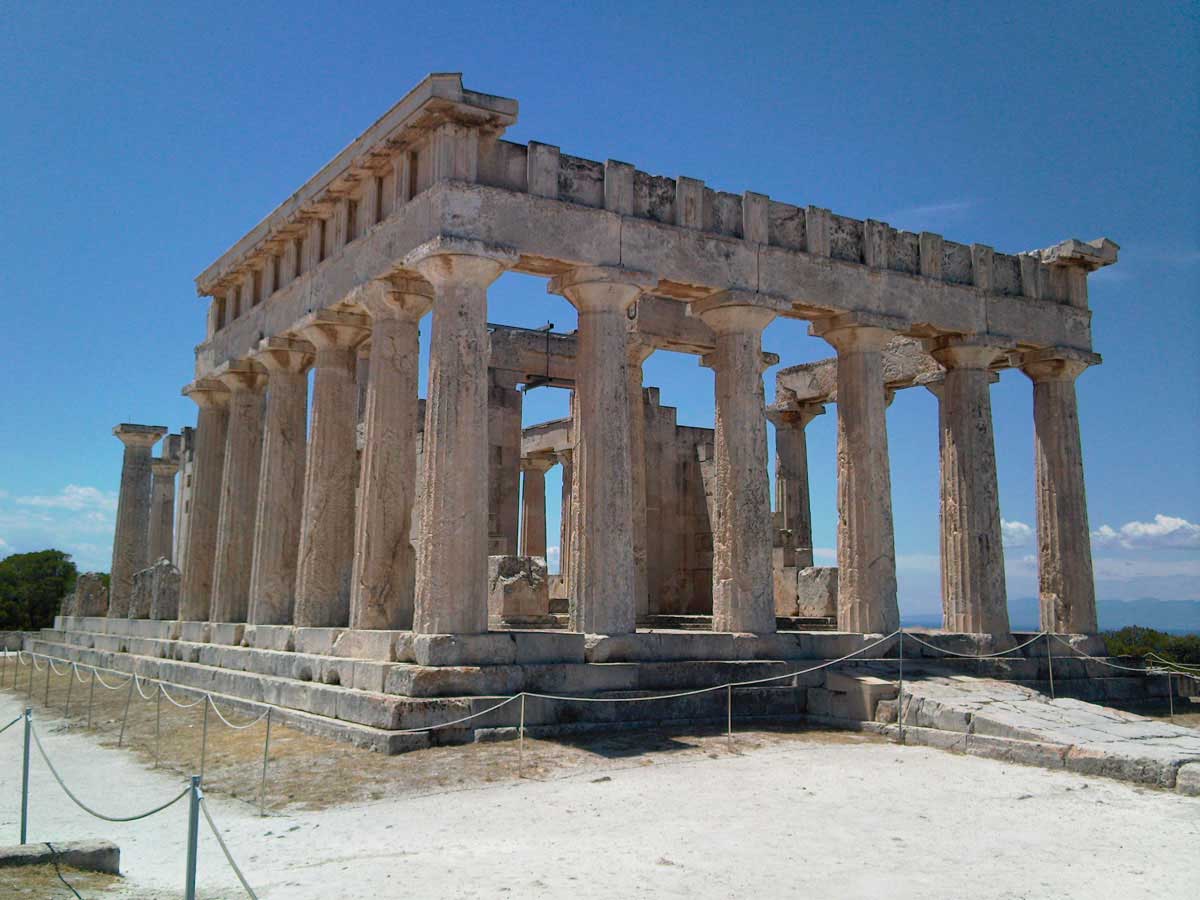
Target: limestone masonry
x=404, y=518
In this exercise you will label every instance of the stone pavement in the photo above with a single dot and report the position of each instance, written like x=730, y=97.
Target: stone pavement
x=986, y=717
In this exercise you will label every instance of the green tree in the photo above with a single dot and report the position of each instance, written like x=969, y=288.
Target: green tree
x=32, y=586
x=1140, y=642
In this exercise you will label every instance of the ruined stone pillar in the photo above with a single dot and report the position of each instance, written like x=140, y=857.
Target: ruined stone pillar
x=195, y=587
x=1066, y=589
x=280, y=480
x=638, y=352
x=974, y=599
x=533, y=505
x=452, y=585
x=385, y=572
x=602, y=563
x=566, y=460
x=793, y=505
x=504, y=462
x=162, y=506
x=239, y=493
x=743, y=582
x=132, y=536
x=330, y=472
x=865, y=543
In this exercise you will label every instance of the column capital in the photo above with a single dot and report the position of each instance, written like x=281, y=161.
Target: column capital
x=858, y=332
x=284, y=355
x=163, y=467
x=401, y=297
x=599, y=288
x=328, y=329
x=448, y=259
x=241, y=375
x=207, y=393
x=974, y=351
x=1057, y=363
x=798, y=415
x=729, y=312
x=564, y=456
x=538, y=463
x=138, y=435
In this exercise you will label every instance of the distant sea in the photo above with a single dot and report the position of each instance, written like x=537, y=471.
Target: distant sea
x=1171, y=616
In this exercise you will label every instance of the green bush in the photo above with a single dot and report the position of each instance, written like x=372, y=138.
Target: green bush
x=1137, y=641
x=32, y=585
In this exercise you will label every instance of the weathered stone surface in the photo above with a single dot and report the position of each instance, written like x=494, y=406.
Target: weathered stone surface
x=164, y=590
x=91, y=595
x=518, y=589
x=131, y=540
x=212, y=423
x=817, y=591
x=95, y=856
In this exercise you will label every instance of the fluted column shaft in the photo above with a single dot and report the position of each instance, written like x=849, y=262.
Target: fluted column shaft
x=602, y=560
x=451, y=596
x=330, y=474
x=974, y=599
x=239, y=495
x=743, y=583
x=212, y=423
x=793, y=503
x=384, y=579
x=162, y=509
x=565, y=528
x=280, y=498
x=1066, y=588
x=865, y=540
x=533, y=506
x=131, y=539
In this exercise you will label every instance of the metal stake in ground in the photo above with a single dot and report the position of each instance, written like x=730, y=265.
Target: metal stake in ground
x=1050, y=665
x=32, y=671
x=189, y=883
x=157, y=722
x=25, y=776
x=70, y=687
x=125, y=718
x=900, y=692
x=729, y=713
x=1170, y=695
x=262, y=786
x=91, y=697
x=49, y=668
x=204, y=736
x=521, y=742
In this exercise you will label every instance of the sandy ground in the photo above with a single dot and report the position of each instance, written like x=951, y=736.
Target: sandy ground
x=777, y=815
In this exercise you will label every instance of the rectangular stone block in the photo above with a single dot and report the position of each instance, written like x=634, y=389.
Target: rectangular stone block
x=269, y=637
x=226, y=632
x=196, y=632
x=316, y=640
x=363, y=644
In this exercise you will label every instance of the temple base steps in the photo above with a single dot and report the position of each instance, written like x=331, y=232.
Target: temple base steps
x=368, y=687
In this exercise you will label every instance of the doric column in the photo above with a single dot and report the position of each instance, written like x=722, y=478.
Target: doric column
x=330, y=471
x=195, y=586
x=452, y=552
x=793, y=506
x=239, y=492
x=865, y=543
x=638, y=351
x=533, y=505
x=504, y=462
x=743, y=583
x=565, y=530
x=972, y=554
x=385, y=571
x=132, y=536
x=1066, y=590
x=602, y=570
x=162, y=503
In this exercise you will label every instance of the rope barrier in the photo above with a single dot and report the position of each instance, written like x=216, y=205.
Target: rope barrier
x=53, y=771
x=105, y=684
x=137, y=683
x=228, y=856
x=162, y=687
x=913, y=637
x=230, y=724
x=1144, y=670
x=11, y=724
x=50, y=660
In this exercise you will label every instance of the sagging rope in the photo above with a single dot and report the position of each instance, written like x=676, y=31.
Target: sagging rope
x=230, y=724
x=228, y=856
x=913, y=637
x=99, y=815
x=1145, y=670
x=11, y=724
x=162, y=687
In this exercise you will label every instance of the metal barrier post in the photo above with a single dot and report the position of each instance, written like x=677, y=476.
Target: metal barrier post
x=70, y=687
x=204, y=736
x=32, y=672
x=157, y=722
x=262, y=786
x=25, y=776
x=49, y=669
x=900, y=692
x=189, y=883
x=1050, y=664
x=729, y=713
x=521, y=742
x=91, y=696
x=1171, y=695
x=125, y=718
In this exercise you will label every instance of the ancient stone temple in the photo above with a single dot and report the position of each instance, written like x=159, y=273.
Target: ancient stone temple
x=411, y=532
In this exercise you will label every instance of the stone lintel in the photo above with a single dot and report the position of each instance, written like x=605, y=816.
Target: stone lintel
x=138, y=435
x=1089, y=255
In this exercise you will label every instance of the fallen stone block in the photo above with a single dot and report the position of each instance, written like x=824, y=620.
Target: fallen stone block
x=95, y=856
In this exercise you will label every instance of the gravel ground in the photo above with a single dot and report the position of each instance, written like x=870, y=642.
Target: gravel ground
x=775, y=815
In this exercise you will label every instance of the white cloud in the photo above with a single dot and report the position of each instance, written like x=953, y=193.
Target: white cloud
x=1015, y=534
x=74, y=497
x=1164, y=533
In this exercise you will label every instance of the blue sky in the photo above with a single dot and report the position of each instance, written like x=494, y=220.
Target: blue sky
x=142, y=140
